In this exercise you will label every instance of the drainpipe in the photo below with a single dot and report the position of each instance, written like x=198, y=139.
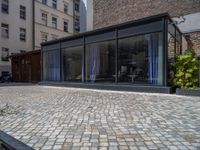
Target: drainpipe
x=199, y=69
x=33, y=22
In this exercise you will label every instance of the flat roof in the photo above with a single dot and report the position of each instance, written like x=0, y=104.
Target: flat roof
x=25, y=53
x=110, y=28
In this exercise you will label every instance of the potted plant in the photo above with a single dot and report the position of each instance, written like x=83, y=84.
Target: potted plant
x=187, y=74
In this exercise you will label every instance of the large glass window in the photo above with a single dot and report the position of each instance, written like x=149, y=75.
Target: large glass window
x=141, y=59
x=72, y=63
x=51, y=65
x=100, y=62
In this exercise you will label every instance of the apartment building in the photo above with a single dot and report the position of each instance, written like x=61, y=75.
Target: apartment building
x=55, y=19
x=25, y=24
x=16, y=26
x=186, y=14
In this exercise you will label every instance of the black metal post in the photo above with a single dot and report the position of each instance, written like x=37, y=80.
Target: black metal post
x=116, y=56
x=165, y=50
x=83, y=60
x=61, y=66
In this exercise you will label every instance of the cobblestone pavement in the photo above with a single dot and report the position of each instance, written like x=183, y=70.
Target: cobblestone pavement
x=67, y=118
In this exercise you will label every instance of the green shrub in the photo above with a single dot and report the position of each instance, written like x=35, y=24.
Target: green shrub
x=186, y=75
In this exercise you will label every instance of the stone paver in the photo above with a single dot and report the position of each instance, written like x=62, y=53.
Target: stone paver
x=79, y=119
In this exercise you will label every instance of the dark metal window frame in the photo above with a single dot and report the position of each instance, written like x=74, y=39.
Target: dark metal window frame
x=54, y=21
x=5, y=7
x=54, y=4
x=162, y=19
x=76, y=7
x=65, y=9
x=2, y=57
x=5, y=27
x=44, y=2
x=22, y=35
x=65, y=26
x=22, y=10
x=44, y=18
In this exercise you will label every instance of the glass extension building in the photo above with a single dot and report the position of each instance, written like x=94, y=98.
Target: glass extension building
x=133, y=54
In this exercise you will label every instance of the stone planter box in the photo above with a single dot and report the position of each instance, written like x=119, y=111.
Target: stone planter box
x=188, y=92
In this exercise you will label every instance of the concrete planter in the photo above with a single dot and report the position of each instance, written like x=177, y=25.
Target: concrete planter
x=188, y=92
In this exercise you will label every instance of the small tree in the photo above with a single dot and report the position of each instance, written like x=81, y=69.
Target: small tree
x=186, y=70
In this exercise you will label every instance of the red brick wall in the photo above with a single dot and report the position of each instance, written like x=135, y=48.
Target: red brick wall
x=109, y=12
x=194, y=41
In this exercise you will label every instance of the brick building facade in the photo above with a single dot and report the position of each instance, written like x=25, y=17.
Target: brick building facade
x=110, y=12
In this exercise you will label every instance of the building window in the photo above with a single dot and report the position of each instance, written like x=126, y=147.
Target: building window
x=44, y=19
x=22, y=34
x=65, y=26
x=65, y=8
x=4, y=30
x=51, y=65
x=72, y=63
x=100, y=62
x=77, y=24
x=22, y=51
x=54, y=4
x=44, y=2
x=54, y=37
x=76, y=7
x=22, y=12
x=54, y=22
x=44, y=37
x=4, y=6
x=5, y=54
x=140, y=59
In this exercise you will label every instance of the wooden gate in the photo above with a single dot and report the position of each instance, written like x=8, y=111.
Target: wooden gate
x=26, y=67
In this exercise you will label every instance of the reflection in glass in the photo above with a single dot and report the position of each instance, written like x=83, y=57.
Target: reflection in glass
x=51, y=65
x=140, y=59
x=100, y=62
x=72, y=63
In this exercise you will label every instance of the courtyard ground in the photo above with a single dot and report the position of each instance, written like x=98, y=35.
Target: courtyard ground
x=56, y=118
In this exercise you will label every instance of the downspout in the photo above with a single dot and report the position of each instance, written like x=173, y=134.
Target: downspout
x=199, y=70
x=33, y=22
x=73, y=17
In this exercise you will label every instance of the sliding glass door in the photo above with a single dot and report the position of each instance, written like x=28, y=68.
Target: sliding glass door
x=100, y=62
x=141, y=59
x=51, y=65
x=72, y=63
